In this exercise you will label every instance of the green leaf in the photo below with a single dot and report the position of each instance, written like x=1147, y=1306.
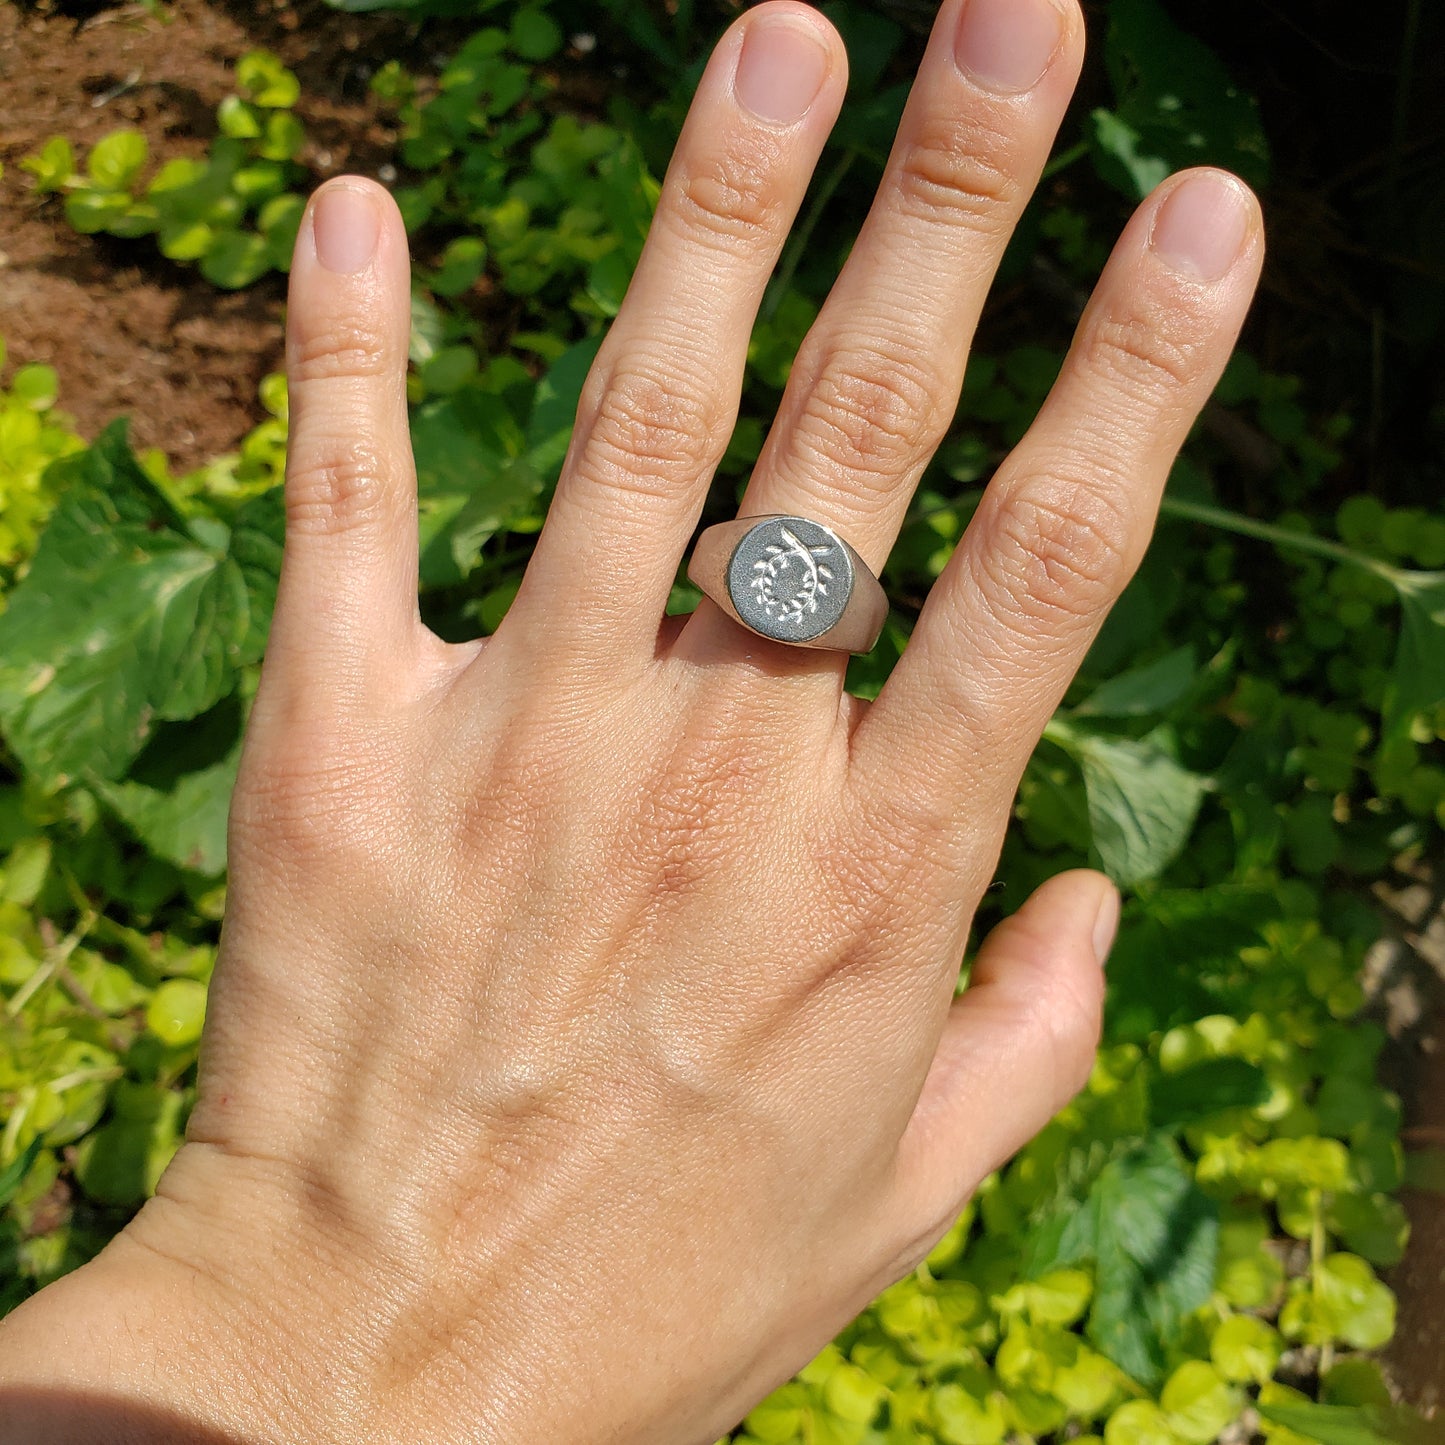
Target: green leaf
x=1354, y=1424
x=1205, y=1089
x=13, y=1176
x=238, y=118
x=263, y=80
x=1153, y=688
x=470, y=482
x=235, y=259
x=1142, y=802
x=554, y=411
x=534, y=34
x=1123, y=157
x=1199, y=1403
x=121, y=1162
x=1176, y=105
x=1361, y=1308
x=962, y=1417
x=279, y=222
x=782, y=1416
x=461, y=266
x=91, y=212
x=52, y=165
x=1354, y=1381
x=1246, y=1349
x=1418, y=678
x=1139, y=1422
x=177, y=797
x=1154, y=1239
x=1374, y=1226
x=35, y=387
x=115, y=160
x=283, y=137
x=123, y=621
x=176, y=1013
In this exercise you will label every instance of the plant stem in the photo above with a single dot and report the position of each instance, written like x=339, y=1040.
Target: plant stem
x=1065, y=159
x=1227, y=521
x=798, y=242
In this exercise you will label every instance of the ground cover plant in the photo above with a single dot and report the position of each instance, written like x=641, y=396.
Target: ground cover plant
x=1192, y=1250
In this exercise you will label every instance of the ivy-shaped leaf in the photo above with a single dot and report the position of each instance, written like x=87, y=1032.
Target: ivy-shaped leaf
x=1154, y=1239
x=128, y=617
x=1142, y=801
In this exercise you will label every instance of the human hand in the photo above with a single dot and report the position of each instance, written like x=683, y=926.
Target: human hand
x=583, y=1051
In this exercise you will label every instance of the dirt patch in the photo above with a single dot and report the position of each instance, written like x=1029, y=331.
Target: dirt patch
x=128, y=331
x=1406, y=977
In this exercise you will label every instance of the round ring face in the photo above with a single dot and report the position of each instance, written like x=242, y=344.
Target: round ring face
x=790, y=579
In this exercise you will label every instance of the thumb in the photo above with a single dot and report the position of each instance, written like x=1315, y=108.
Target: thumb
x=1015, y=1048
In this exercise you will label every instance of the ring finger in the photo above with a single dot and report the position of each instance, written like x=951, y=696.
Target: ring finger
x=876, y=382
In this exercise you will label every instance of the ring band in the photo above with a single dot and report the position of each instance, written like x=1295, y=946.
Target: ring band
x=792, y=580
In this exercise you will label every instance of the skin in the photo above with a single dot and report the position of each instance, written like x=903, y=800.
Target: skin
x=583, y=1050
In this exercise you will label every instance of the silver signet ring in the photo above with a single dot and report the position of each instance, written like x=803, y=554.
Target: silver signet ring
x=792, y=580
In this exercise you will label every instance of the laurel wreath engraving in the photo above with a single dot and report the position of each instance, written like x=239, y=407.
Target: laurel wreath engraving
x=787, y=591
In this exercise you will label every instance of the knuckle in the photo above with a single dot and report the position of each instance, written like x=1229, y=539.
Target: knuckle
x=1144, y=354
x=954, y=173
x=872, y=415
x=310, y=805
x=343, y=347
x=731, y=198
x=334, y=488
x=1056, y=550
x=651, y=433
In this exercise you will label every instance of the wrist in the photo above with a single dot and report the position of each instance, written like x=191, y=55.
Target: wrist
x=135, y=1349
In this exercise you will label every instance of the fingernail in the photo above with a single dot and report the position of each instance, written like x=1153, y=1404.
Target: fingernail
x=1106, y=925
x=781, y=69
x=347, y=226
x=1006, y=45
x=1201, y=227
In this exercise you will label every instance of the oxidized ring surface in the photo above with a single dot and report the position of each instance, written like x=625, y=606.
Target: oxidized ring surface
x=792, y=580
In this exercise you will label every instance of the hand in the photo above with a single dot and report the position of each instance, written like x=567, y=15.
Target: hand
x=583, y=1051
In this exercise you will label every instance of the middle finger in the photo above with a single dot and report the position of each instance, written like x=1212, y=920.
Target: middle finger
x=876, y=382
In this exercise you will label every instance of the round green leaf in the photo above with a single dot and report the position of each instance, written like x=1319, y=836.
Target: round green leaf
x=782, y=1416
x=115, y=160
x=186, y=240
x=36, y=387
x=461, y=266
x=1362, y=1308
x=236, y=259
x=1088, y=1386
x=1372, y=1225
x=963, y=1418
x=238, y=119
x=263, y=80
x=1246, y=1349
x=1198, y=1402
x=282, y=138
x=852, y=1394
x=92, y=211
x=177, y=1011
x=534, y=35
x=1139, y=1422
x=52, y=166
x=1355, y=1381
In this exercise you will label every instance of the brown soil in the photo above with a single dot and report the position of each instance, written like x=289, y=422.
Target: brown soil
x=1406, y=976
x=128, y=331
